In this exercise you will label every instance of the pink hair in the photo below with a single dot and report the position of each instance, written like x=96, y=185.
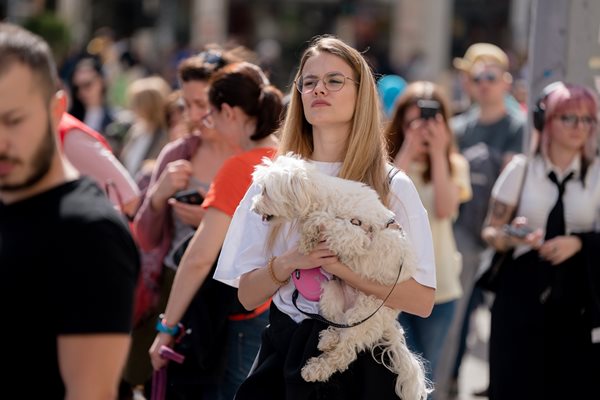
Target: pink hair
x=566, y=97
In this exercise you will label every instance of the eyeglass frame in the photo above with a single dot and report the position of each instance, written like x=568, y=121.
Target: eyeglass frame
x=572, y=121
x=207, y=119
x=333, y=73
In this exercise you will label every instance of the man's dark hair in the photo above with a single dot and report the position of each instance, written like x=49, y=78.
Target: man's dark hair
x=20, y=45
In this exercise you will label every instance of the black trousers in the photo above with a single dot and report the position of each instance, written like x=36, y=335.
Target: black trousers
x=285, y=348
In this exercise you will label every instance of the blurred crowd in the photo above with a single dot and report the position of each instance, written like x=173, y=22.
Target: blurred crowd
x=170, y=148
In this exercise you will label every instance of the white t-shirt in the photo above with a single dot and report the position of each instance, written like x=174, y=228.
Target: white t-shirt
x=581, y=204
x=244, y=247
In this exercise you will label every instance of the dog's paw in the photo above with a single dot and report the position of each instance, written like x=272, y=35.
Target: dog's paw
x=316, y=370
x=328, y=339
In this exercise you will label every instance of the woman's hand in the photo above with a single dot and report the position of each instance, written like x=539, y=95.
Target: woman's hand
x=161, y=339
x=189, y=214
x=533, y=239
x=175, y=177
x=413, y=146
x=320, y=256
x=436, y=135
x=559, y=249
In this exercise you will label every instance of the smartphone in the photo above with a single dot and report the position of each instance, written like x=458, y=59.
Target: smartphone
x=517, y=231
x=189, y=197
x=429, y=108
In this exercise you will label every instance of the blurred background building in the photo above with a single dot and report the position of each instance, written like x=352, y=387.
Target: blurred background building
x=416, y=39
x=413, y=38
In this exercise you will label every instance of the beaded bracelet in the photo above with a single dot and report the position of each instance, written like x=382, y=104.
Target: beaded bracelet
x=272, y=273
x=161, y=326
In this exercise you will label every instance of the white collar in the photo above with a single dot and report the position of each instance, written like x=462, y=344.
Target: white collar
x=574, y=166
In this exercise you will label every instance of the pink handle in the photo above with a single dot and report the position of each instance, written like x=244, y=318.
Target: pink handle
x=170, y=354
x=159, y=378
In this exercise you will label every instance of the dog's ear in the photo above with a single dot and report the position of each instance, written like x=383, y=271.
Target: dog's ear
x=303, y=191
x=261, y=170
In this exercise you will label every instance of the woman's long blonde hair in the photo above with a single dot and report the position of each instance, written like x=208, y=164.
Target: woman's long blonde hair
x=365, y=155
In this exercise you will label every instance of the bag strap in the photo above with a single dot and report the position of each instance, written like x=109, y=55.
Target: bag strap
x=514, y=213
x=392, y=173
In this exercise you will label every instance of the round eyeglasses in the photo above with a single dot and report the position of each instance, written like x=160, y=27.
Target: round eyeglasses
x=333, y=82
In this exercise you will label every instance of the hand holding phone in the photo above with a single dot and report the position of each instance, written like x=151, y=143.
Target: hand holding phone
x=519, y=232
x=189, y=197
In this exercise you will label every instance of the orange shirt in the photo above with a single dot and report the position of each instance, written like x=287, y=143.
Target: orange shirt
x=233, y=180
x=228, y=189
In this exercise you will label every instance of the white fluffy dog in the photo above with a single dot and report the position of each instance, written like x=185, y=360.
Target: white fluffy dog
x=361, y=231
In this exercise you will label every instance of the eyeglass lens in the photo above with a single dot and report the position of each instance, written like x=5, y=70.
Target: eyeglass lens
x=208, y=120
x=571, y=121
x=332, y=82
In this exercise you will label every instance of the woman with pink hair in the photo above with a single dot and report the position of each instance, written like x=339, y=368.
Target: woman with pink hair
x=545, y=333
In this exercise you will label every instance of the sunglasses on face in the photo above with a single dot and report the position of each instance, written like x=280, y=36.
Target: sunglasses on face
x=333, y=82
x=490, y=77
x=571, y=121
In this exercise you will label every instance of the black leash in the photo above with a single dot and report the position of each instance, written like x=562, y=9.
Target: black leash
x=335, y=324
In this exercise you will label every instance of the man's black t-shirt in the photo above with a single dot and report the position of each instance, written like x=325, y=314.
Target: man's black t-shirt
x=68, y=265
x=504, y=135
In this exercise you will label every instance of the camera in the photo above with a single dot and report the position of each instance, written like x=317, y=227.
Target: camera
x=429, y=108
x=189, y=197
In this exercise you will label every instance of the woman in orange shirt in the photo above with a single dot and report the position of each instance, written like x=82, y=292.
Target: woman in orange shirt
x=245, y=109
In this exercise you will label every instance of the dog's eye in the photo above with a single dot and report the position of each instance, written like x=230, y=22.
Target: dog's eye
x=355, y=221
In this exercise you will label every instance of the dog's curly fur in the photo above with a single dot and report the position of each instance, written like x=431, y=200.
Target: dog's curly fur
x=351, y=218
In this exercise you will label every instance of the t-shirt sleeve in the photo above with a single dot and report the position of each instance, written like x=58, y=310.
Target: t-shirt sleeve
x=229, y=186
x=461, y=177
x=95, y=282
x=412, y=216
x=244, y=246
x=91, y=158
x=507, y=186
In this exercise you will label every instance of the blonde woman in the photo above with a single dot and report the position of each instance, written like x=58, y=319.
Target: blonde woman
x=148, y=135
x=332, y=120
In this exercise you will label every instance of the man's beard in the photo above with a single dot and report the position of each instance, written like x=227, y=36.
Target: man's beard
x=40, y=164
